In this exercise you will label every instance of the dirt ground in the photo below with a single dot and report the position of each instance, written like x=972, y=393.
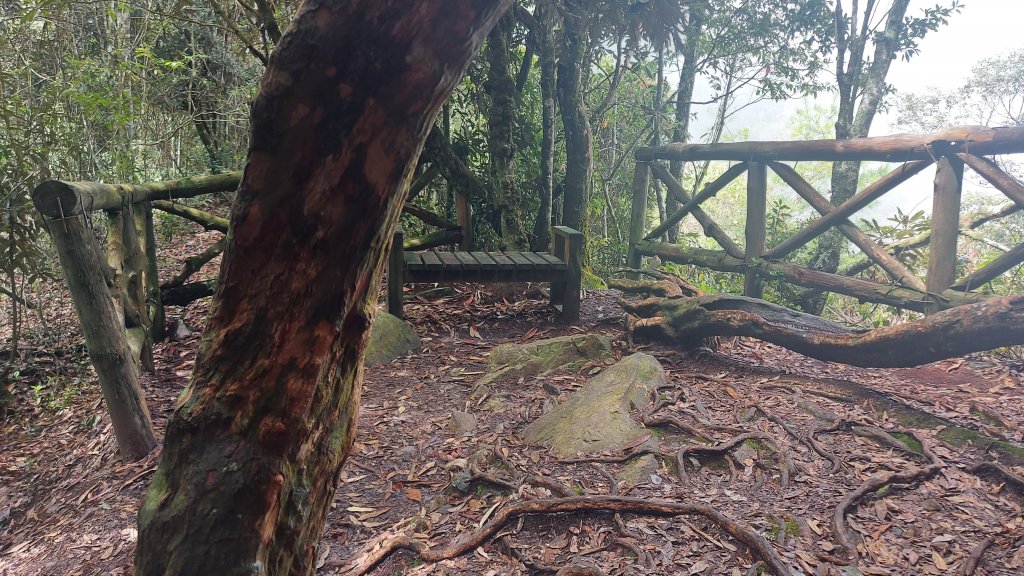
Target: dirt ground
x=68, y=503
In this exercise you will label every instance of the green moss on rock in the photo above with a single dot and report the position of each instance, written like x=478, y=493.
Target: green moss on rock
x=390, y=337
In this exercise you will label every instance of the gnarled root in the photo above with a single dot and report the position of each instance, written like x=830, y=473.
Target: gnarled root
x=389, y=543
x=839, y=526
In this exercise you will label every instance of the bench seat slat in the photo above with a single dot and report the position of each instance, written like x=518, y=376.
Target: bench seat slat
x=430, y=260
x=522, y=262
x=450, y=261
x=537, y=260
x=413, y=260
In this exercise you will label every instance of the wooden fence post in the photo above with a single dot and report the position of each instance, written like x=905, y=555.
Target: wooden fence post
x=638, y=213
x=156, y=308
x=125, y=258
x=104, y=335
x=755, y=233
x=464, y=216
x=949, y=175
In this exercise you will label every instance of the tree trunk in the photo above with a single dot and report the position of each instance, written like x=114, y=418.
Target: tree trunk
x=501, y=91
x=869, y=88
x=546, y=50
x=947, y=334
x=573, y=58
x=684, y=97
x=256, y=444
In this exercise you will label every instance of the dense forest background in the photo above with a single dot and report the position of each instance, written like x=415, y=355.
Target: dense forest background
x=541, y=130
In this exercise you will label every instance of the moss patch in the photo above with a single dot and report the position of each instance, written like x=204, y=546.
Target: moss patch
x=909, y=441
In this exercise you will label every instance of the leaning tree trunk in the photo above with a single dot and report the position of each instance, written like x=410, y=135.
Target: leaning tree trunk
x=256, y=444
x=684, y=102
x=869, y=86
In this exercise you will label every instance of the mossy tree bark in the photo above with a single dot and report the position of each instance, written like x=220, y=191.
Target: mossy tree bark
x=254, y=449
x=579, y=163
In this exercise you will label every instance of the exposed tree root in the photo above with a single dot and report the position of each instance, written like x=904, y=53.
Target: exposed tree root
x=668, y=420
x=807, y=440
x=389, y=543
x=974, y=560
x=812, y=436
x=839, y=526
x=884, y=438
x=719, y=449
x=665, y=284
x=609, y=459
x=1002, y=472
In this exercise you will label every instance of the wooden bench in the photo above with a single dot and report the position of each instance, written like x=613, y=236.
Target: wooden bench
x=562, y=268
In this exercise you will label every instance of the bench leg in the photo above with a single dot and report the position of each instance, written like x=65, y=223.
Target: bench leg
x=558, y=288
x=396, y=265
x=573, y=278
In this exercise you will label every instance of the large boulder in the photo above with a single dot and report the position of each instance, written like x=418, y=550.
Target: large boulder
x=564, y=353
x=597, y=417
x=390, y=337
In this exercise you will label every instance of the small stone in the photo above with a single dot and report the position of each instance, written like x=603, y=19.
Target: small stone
x=745, y=455
x=462, y=423
x=407, y=452
x=179, y=331
x=638, y=471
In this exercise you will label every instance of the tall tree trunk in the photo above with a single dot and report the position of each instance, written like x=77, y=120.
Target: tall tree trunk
x=500, y=87
x=860, y=96
x=573, y=57
x=545, y=34
x=684, y=98
x=656, y=125
x=254, y=449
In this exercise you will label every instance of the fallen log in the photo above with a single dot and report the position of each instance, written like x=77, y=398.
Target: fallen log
x=954, y=332
x=187, y=293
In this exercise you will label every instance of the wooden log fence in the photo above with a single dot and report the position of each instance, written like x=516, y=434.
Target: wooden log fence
x=951, y=151
x=115, y=287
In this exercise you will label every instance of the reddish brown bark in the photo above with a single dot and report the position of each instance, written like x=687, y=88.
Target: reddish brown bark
x=254, y=449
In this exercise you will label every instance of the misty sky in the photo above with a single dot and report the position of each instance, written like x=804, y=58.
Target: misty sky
x=983, y=29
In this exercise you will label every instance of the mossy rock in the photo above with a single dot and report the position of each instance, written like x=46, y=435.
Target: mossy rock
x=565, y=353
x=637, y=471
x=597, y=417
x=390, y=337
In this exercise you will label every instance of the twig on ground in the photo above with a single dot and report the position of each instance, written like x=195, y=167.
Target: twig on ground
x=974, y=560
x=839, y=526
x=391, y=542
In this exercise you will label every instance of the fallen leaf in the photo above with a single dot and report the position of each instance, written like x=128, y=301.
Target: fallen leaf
x=939, y=561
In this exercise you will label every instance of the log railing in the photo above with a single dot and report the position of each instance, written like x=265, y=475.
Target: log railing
x=950, y=151
x=115, y=286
